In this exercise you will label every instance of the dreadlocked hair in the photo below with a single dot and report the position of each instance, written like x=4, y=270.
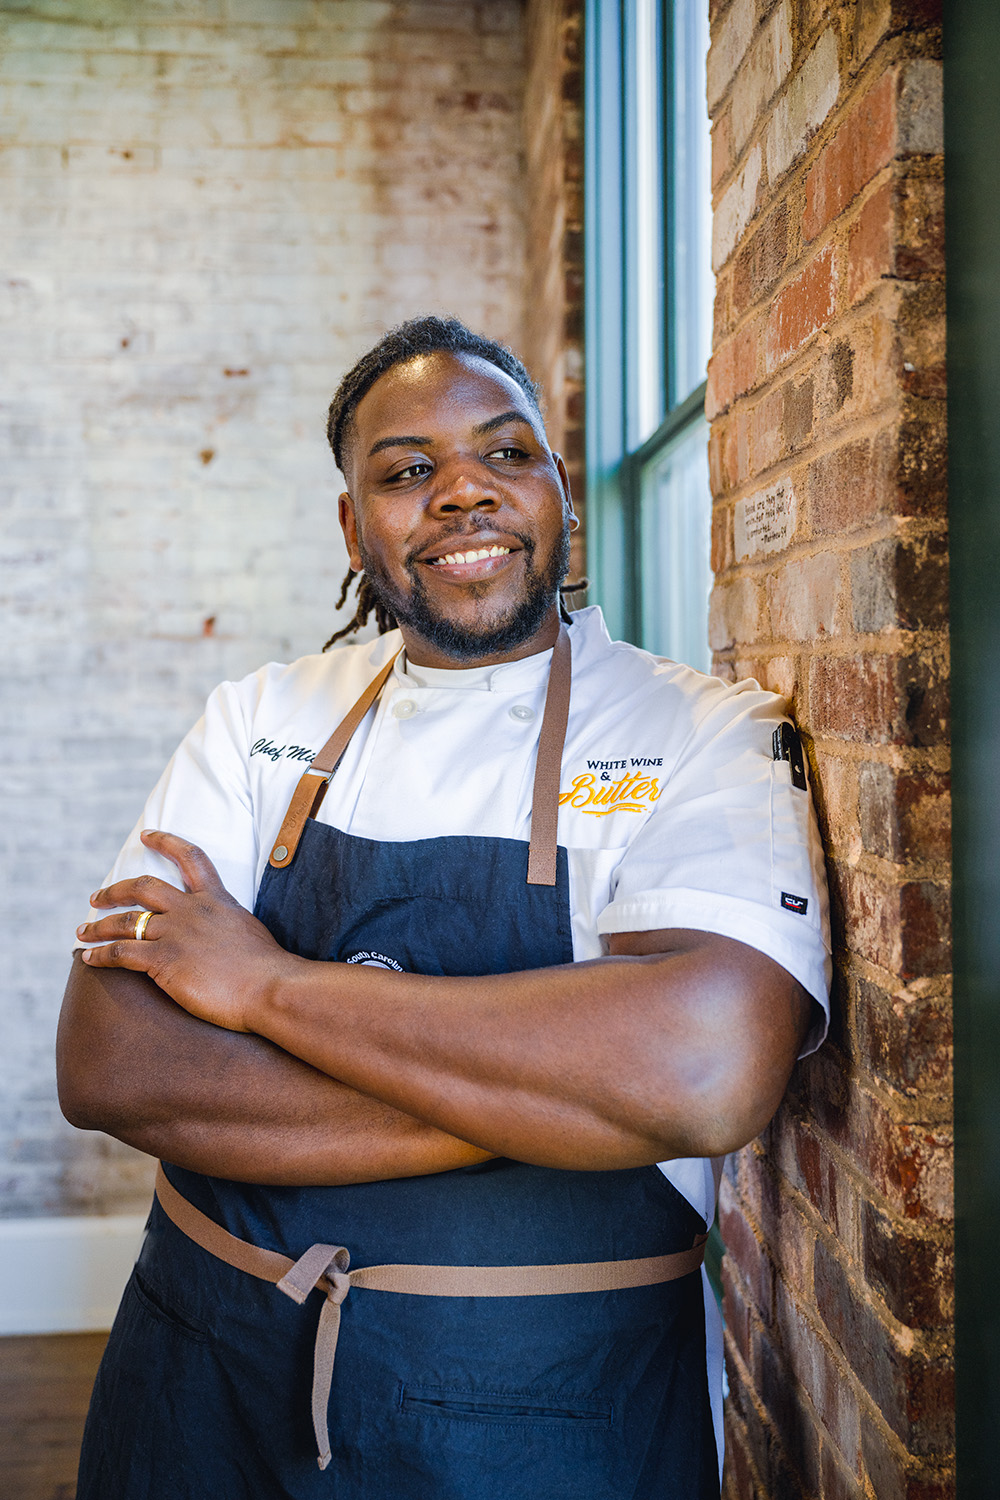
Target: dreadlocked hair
x=367, y=603
x=386, y=620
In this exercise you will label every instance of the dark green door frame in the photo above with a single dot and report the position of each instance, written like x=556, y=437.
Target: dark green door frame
x=972, y=132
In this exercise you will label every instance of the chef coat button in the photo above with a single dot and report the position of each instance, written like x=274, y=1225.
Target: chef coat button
x=405, y=708
x=522, y=712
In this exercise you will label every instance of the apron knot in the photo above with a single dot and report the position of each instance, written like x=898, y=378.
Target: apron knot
x=329, y=1262
x=339, y=1284
x=321, y=1266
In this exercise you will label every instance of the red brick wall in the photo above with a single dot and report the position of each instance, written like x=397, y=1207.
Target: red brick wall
x=826, y=401
x=553, y=140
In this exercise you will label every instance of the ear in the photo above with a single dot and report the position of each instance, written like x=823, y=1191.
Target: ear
x=349, y=526
x=561, y=470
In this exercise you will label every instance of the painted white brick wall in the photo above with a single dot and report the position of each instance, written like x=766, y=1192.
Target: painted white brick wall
x=208, y=208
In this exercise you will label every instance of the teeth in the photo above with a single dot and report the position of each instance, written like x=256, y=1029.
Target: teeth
x=467, y=557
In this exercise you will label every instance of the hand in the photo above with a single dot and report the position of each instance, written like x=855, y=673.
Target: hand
x=199, y=945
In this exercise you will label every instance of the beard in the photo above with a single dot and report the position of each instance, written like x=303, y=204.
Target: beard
x=466, y=643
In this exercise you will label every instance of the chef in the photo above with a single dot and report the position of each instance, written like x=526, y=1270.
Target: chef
x=440, y=972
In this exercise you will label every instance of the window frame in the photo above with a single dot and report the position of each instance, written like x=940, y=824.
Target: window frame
x=616, y=466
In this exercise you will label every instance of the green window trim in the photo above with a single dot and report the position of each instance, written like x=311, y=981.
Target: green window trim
x=648, y=317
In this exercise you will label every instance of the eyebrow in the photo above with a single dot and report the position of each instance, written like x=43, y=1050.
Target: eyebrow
x=494, y=422
x=426, y=442
x=399, y=442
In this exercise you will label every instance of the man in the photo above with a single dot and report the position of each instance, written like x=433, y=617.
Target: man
x=503, y=963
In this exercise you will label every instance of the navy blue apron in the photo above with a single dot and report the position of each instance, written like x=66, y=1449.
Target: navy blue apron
x=205, y=1386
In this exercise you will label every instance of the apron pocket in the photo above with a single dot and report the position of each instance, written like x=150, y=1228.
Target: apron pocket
x=503, y=1408
x=157, y=1308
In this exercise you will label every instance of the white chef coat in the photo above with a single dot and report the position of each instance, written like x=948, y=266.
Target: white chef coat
x=673, y=810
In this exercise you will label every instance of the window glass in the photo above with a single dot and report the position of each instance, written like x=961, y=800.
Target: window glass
x=644, y=189
x=675, y=524
x=689, y=175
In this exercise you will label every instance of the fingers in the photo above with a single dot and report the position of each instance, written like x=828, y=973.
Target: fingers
x=194, y=864
x=121, y=954
x=141, y=890
x=122, y=924
x=197, y=869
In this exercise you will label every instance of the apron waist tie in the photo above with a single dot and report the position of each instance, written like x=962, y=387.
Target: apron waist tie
x=325, y=1268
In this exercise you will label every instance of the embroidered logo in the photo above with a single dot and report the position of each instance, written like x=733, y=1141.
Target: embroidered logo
x=598, y=791
x=376, y=961
x=798, y=904
x=281, y=752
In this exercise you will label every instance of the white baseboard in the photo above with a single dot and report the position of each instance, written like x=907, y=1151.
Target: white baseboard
x=65, y=1275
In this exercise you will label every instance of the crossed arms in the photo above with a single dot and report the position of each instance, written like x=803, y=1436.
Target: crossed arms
x=210, y=1046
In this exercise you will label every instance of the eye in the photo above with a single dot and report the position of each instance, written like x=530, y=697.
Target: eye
x=509, y=453
x=416, y=470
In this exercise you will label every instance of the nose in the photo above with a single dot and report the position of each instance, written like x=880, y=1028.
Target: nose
x=458, y=489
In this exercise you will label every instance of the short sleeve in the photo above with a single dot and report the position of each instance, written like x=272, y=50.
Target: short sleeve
x=732, y=846
x=203, y=795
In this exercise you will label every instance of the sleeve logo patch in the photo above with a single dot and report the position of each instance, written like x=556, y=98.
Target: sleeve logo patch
x=798, y=904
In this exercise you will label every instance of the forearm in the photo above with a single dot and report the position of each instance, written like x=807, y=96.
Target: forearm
x=615, y=1063
x=679, y=1043
x=137, y=1066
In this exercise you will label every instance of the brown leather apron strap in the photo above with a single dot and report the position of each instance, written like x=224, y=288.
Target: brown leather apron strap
x=326, y=1267
x=548, y=765
x=312, y=784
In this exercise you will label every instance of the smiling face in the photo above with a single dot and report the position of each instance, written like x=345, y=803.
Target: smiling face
x=458, y=511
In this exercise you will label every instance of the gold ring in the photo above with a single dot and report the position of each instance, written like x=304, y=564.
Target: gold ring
x=140, y=925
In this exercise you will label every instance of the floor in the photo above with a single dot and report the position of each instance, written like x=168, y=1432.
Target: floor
x=44, y=1389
